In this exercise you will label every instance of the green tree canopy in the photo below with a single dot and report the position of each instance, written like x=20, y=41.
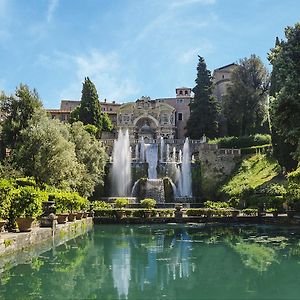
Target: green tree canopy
x=91, y=154
x=285, y=100
x=204, y=108
x=245, y=105
x=47, y=154
x=18, y=110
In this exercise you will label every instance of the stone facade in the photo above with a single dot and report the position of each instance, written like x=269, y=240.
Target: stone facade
x=147, y=118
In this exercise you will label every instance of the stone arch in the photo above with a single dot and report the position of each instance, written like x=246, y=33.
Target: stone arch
x=144, y=116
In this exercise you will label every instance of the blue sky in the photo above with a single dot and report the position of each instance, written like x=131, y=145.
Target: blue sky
x=130, y=48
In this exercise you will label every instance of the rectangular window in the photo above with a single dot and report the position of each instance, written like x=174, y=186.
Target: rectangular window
x=179, y=116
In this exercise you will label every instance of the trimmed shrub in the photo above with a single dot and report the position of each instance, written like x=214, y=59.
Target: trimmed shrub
x=27, y=202
x=100, y=205
x=250, y=211
x=216, y=204
x=148, y=203
x=121, y=202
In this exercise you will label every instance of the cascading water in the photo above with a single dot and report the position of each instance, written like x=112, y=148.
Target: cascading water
x=151, y=159
x=142, y=150
x=121, y=167
x=136, y=152
x=168, y=153
x=162, y=146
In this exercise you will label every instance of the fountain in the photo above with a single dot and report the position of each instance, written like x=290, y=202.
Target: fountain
x=186, y=176
x=121, y=167
x=163, y=169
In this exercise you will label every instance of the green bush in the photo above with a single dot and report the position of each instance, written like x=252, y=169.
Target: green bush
x=121, y=202
x=292, y=195
x=216, y=204
x=68, y=202
x=5, y=198
x=230, y=142
x=106, y=213
x=100, y=205
x=27, y=202
x=148, y=203
x=138, y=213
x=26, y=181
x=250, y=211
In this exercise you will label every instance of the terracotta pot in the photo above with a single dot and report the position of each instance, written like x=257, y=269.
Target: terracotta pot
x=79, y=215
x=62, y=218
x=2, y=223
x=72, y=217
x=24, y=224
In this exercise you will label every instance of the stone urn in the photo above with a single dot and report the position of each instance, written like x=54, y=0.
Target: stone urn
x=24, y=224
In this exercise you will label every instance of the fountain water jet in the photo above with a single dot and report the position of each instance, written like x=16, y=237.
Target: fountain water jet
x=121, y=167
x=186, y=175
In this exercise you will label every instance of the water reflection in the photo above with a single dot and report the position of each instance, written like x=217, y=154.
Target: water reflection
x=169, y=262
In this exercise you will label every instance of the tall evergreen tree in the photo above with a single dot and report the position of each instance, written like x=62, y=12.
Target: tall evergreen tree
x=205, y=107
x=90, y=109
x=285, y=100
x=246, y=100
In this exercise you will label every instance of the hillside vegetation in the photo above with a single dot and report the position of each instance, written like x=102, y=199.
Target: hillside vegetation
x=253, y=172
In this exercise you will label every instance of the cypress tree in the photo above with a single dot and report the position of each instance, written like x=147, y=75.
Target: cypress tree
x=205, y=107
x=90, y=109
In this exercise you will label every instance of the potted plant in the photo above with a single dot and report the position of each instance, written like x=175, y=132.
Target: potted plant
x=61, y=207
x=120, y=204
x=27, y=205
x=148, y=204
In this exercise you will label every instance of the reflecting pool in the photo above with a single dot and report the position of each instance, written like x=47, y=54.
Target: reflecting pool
x=164, y=262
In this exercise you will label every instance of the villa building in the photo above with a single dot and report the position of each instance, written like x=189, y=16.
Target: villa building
x=154, y=118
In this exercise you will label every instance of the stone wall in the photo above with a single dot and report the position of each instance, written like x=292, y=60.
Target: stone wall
x=16, y=248
x=216, y=166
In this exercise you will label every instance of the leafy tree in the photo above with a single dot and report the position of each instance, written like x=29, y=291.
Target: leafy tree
x=245, y=104
x=204, y=108
x=47, y=155
x=91, y=154
x=106, y=123
x=285, y=100
x=90, y=109
x=18, y=110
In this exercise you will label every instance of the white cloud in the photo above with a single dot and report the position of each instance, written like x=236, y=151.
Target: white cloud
x=104, y=69
x=53, y=4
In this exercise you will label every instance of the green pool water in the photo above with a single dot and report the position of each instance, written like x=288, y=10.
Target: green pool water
x=164, y=262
